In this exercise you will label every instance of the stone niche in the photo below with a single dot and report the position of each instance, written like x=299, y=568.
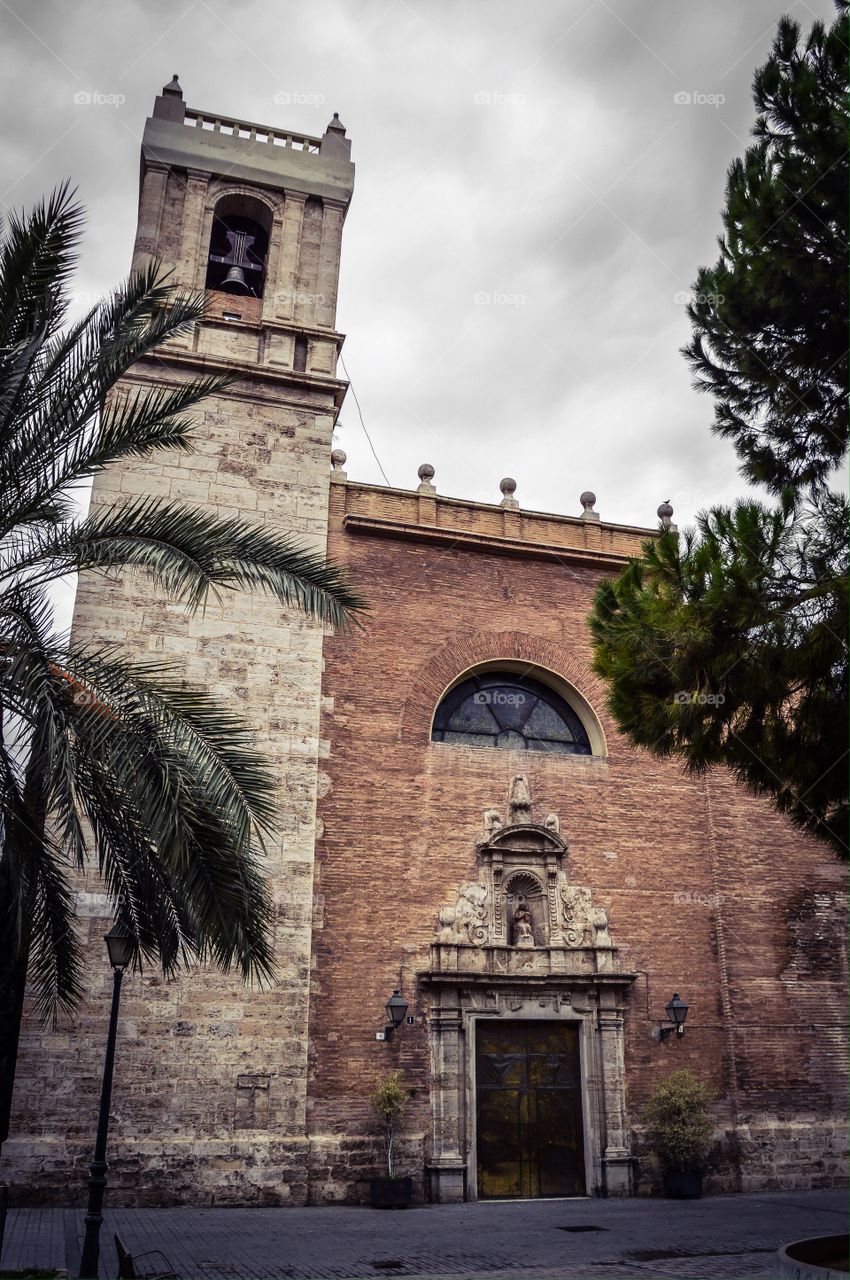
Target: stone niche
x=519, y=942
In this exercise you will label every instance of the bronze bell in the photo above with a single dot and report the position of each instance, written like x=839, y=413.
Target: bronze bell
x=235, y=282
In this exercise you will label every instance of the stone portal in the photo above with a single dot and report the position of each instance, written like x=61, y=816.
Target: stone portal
x=526, y=1022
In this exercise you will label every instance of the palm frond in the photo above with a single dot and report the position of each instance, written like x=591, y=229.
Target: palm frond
x=37, y=255
x=188, y=553
x=60, y=432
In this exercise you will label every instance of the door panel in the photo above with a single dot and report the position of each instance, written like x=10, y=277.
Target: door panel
x=528, y=1088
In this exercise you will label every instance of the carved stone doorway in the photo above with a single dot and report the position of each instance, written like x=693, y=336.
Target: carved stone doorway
x=522, y=943
x=529, y=1131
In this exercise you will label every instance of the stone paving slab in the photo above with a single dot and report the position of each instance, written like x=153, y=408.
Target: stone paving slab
x=717, y=1238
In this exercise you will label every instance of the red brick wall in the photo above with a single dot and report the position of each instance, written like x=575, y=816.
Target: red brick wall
x=700, y=880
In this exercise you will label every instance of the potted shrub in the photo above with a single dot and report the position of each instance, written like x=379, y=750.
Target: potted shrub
x=388, y=1102
x=679, y=1128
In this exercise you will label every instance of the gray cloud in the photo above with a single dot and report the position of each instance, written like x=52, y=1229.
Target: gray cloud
x=581, y=197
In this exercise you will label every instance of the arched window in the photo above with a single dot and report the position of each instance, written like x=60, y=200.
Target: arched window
x=511, y=710
x=239, y=246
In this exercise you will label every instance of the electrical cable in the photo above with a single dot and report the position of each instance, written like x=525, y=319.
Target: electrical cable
x=362, y=423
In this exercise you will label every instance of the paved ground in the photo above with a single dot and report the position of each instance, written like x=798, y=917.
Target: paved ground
x=718, y=1238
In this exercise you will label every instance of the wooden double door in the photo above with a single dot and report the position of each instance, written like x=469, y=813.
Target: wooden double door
x=529, y=1116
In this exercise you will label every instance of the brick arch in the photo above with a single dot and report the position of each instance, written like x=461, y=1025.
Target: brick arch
x=445, y=667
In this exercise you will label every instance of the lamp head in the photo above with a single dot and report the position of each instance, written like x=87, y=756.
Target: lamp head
x=396, y=1008
x=677, y=1011
x=119, y=946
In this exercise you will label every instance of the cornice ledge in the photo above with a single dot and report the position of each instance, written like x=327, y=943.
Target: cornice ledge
x=385, y=528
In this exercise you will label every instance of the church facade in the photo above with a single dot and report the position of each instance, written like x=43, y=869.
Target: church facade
x=460, y=821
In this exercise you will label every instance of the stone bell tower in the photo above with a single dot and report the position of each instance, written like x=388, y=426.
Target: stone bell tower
x=212, y=1087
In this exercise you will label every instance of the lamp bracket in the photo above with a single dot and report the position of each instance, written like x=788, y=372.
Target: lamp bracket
x=662, y=1033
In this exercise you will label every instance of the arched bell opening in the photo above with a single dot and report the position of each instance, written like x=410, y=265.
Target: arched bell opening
x=239, y=247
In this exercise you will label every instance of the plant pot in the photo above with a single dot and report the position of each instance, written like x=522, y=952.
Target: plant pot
x=390, y=1193
x=679, y=1185
x=818, y=1258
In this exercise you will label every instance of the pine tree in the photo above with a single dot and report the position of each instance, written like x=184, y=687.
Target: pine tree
x=729, y=645
x=770, y=317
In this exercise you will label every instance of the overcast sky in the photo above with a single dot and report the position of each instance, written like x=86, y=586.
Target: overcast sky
x=537, y=184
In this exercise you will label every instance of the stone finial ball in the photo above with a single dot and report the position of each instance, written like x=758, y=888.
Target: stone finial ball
x=587, y=499
x=426, y=473
x=507, y=486
x=339, y=458
x=665, y=511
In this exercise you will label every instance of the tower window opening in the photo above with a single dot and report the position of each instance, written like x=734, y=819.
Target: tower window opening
x=299, y=359
x=239, y=249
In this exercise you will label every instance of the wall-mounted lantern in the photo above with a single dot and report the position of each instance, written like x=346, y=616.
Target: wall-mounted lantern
x=676, y=1012
x=396, y=1008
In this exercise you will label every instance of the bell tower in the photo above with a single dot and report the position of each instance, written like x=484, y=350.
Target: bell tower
x=253, y=214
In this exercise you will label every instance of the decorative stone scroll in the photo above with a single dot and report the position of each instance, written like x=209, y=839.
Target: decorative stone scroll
x=466, y=922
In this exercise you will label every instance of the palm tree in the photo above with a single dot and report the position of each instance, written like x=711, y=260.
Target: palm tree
x=103, y=762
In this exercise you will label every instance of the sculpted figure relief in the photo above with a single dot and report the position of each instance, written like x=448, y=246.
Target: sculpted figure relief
x=520, y=800
x=523, y=936
x=523, y=887
x=492, y=823
x=584, y=924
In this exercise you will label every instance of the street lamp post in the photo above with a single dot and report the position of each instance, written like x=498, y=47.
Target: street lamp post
x=119, y=946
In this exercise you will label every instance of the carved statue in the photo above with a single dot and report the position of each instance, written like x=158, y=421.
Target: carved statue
x=519, y=803
x=523, y=936
x=492, y=823
x=553, y=823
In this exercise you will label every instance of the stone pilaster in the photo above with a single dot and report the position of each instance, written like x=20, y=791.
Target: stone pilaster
x=616, y=1156
x=152, y=198
x=447, y=1165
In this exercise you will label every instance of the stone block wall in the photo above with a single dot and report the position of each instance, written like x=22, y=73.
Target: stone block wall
x=209, y=1103
x=189, y=1047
